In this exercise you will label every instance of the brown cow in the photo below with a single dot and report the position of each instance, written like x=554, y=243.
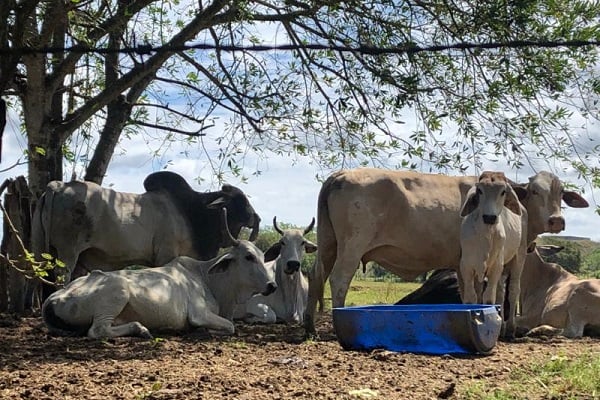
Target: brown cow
x=552, y=296
x=408, y=222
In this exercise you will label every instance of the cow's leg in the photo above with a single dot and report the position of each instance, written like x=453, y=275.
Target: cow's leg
x=582, y=308
x=258, y=311
x=468, y=277
x=494, y=275
x=316, y=285
x=103, y=328
x=211, y=321
x=515, y=269
x=107, y=305
x=349, y=255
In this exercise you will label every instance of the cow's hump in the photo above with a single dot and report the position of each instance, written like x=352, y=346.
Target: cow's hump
x=168, y=181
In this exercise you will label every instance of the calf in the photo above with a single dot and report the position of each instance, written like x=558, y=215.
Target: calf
x=185, y=293
x=493, y=238
x=289, y=301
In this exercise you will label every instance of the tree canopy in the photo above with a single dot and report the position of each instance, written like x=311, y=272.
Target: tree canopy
x=341, y=106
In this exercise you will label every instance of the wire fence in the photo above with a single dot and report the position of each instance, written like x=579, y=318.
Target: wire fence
x=408, y=48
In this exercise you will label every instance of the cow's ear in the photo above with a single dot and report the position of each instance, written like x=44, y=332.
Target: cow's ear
x=521, y=191
x=221, y=265
x=218, y=203
x=471, y=202
x=548, y=250
x=573, y=199
x=309, y=247
x=511, y=201
x=273, y=252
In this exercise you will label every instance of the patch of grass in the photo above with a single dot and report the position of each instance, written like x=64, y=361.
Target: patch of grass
x=363, y=292
x=560, y=377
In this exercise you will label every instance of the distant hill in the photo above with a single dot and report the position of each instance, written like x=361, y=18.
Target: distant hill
x=574, y=238
x=585, y=245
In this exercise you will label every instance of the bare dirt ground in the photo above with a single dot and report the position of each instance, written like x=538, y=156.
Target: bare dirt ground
x=258, y=362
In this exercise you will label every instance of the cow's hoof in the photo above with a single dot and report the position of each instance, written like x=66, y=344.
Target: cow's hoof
x=145, y=333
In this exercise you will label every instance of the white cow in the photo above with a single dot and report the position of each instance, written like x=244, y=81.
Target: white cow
x=552, y=296
x=492, y=236
x=185, y=293
x=289, y=301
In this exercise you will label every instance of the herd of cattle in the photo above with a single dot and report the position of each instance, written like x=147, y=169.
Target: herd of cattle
x=481, y=230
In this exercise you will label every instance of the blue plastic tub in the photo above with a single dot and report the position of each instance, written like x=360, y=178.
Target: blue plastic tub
x=419, y=328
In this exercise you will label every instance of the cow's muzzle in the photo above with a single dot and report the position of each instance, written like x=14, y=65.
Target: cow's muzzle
x=271, y=287
x=556, y=224
x=292, y=266
x=489, y=219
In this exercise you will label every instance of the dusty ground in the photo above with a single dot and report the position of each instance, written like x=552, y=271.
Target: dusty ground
x=259, y=362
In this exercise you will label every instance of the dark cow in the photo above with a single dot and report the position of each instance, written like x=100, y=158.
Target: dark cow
x=86, y=225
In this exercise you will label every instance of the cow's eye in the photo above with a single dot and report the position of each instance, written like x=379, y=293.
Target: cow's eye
x=535, y=192
x=250, y=257
x=503, y=193
x=281, y=242
x=479, y=191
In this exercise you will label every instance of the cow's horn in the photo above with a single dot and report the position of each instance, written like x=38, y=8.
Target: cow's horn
x=276, y=227
x=309, y=227
x=226, y=232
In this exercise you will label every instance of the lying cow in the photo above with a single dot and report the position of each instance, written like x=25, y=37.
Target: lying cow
x=408, y=222
x=185, y=293
x=492, y=239
x=98, y=228
x=552, y=296
x=288, y=303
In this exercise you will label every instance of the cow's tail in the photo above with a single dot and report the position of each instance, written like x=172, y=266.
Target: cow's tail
x=40, y=234
x=40, y=238
x=326, y=244
x=59, y=327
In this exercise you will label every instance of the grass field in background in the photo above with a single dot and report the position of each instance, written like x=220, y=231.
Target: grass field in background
x=363, y=292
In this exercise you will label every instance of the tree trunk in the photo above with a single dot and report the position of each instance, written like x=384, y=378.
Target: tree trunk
x=17, y=202
x=118, y=113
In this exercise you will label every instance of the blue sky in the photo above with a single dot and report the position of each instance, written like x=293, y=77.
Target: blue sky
x=287, y=188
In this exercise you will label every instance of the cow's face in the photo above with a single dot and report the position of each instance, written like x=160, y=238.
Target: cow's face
x=240, y=212
x=247, y=272
x=490, y=195
x=290, y=249
x=542, y=197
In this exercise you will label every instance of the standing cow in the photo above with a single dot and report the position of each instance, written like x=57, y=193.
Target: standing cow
x=98, y=228
x=493, y=241
x=408, y=222
x=185, y=293
x=288, y=303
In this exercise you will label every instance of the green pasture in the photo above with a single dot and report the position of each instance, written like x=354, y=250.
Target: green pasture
x=559, y=377
x=369, y=291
